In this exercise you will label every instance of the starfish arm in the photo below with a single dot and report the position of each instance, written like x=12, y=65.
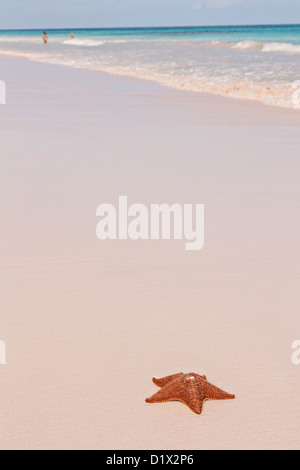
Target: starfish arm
x=177, y=390
x=193, y=398
x=171, y=392
x=162, y=382
x=211, y=392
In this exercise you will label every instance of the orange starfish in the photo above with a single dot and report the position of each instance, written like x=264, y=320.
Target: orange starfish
x=191, y=389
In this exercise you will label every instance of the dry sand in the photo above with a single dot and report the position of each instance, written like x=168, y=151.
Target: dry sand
x=87, y=323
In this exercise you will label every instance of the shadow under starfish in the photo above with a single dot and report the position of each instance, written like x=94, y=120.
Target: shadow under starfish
x=191, y=389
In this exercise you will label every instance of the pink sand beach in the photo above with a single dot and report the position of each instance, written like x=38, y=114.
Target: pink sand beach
x=88, y=323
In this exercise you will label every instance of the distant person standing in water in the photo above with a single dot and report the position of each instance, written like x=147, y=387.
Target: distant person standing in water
x=45, y=38
x=72, y=36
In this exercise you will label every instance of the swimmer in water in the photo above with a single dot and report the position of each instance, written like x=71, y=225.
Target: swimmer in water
x=45, y=38
x=72, y=36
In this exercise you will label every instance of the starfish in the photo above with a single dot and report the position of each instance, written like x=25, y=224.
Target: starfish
x=191, y=389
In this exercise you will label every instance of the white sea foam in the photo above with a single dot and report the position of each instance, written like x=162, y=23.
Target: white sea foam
x=19, y=39
x=83, y=42
x=26, y=55
x=267, y=46
x=95, y=42
x=296, y=94
x=246, y=45
x=284, y=95
x=214, y=43
x=281, y=47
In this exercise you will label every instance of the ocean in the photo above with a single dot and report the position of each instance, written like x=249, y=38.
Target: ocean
x=248, y=62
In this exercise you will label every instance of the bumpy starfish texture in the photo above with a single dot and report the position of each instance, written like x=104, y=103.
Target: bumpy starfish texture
x=191, y=389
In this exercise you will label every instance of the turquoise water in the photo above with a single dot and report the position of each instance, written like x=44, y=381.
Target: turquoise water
x=250, y=62
x=282, y=33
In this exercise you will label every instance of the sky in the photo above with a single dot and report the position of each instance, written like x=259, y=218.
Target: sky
x=26, y=14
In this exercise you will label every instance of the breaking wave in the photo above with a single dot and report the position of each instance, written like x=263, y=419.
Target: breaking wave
x=268, y=46
x=83, y=42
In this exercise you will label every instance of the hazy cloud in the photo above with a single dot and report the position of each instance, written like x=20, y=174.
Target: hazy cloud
x=197, y=4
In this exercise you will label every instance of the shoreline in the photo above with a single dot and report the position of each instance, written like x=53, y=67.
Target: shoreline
x=218, y=95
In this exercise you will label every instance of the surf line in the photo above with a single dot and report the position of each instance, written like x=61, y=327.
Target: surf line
x=159, y=222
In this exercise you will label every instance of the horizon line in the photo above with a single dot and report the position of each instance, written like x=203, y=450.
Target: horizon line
x=148, y=27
